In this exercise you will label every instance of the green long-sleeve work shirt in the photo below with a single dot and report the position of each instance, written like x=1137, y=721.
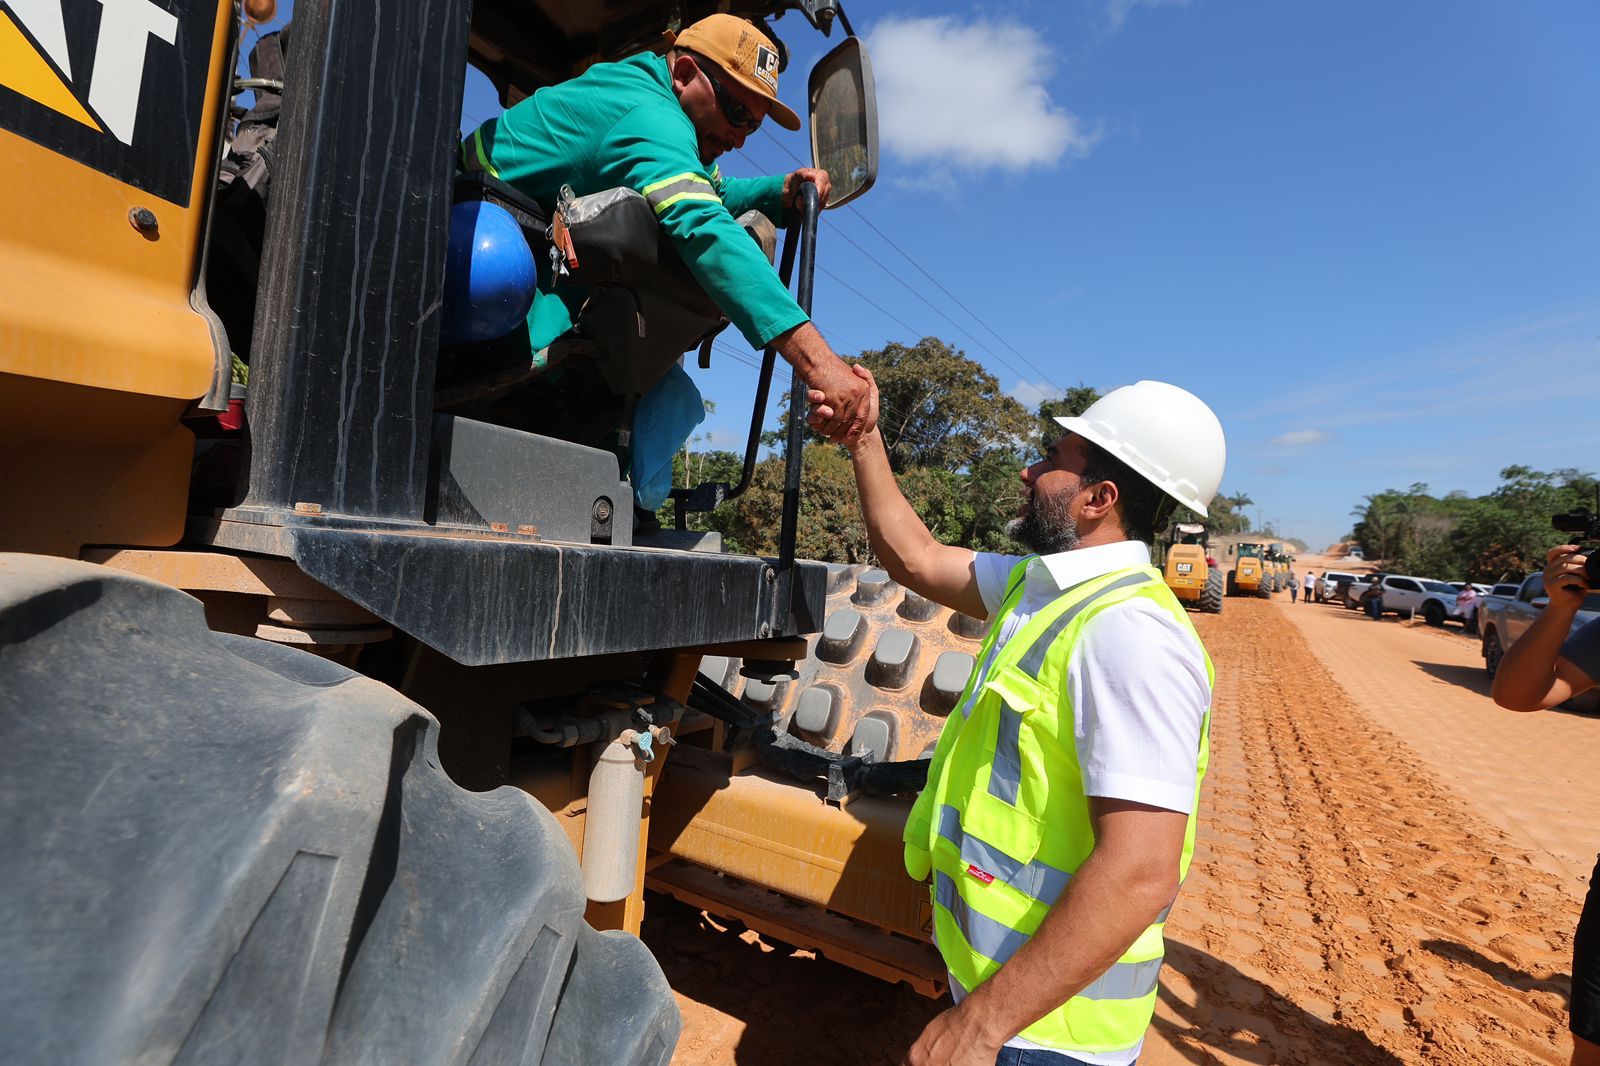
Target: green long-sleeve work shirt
x=620, y=125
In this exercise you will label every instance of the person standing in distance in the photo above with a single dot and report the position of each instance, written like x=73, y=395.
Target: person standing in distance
x=1548, y=665
x=1059, y=814
x=1311, y=585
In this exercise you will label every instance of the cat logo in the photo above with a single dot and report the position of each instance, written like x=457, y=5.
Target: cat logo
x=115, y=84
x=767, y=66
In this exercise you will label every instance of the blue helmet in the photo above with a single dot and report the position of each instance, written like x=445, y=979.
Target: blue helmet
x=489, y=274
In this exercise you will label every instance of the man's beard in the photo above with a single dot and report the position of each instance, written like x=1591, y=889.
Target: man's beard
x=1047, y=527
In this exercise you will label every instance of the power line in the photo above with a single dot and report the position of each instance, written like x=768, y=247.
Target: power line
x=1002, y=360
x=924, y=272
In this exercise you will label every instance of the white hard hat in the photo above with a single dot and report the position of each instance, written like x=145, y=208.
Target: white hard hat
x=1164, y=433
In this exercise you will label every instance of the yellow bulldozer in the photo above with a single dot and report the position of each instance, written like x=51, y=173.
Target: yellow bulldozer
x=343, y=718
x=1186, y=565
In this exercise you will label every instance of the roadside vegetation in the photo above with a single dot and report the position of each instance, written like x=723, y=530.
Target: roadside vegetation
x=956, y=441
x=1458, y=537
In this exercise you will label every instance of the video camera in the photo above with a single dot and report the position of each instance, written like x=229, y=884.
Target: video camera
x=1583, y=526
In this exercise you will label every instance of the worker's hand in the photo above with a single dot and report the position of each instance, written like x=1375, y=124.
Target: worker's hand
x=844, y=401
x=951, y=1039
x=816, y=175
x=1565, y=581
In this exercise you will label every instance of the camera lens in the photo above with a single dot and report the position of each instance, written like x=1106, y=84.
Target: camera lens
x=1591, y=566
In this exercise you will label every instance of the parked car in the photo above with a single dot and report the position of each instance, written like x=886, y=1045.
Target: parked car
x=1330, y=586
x=1435, y=601
x=1503, y=620
x=1357, y=553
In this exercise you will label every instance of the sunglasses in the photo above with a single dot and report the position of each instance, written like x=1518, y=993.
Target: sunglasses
x=738, y=116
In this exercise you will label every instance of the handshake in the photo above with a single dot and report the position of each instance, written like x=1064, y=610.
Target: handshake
x=844, y=401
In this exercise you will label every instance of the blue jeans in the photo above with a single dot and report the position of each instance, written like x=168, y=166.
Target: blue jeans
x=1375, y=609
x=1016, y=1056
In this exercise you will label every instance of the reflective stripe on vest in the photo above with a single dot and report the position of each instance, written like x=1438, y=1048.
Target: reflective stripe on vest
x=998, y=941
x=1037, y=880
x=1005, y=777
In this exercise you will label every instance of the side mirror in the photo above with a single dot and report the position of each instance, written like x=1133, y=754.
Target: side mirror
x=1541, y=602
x=844, y=120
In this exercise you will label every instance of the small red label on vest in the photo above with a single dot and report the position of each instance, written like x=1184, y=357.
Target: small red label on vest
x=983, y=875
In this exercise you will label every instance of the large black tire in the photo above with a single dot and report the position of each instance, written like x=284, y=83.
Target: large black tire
x=881, y=677
x=1211, y=595
x=1233, y=583
x=223, y=850
x=1433, y=613
x=1265, y=588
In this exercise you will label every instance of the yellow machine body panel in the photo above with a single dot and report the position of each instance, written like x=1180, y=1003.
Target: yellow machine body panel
x=107, y=156
x=1186, y=570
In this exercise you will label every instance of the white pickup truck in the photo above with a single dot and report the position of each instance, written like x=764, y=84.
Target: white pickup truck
x=1435, y=601
x=1503, y=619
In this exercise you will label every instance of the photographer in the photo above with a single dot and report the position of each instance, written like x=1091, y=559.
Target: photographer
x=1542, y=669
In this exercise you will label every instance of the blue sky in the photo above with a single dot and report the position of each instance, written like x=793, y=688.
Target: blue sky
x=1365, y=234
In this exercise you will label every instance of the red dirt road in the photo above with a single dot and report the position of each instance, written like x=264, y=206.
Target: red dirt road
x=1388, y=871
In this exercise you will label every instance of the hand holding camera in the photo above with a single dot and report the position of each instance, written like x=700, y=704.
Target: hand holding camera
x=1572, y=573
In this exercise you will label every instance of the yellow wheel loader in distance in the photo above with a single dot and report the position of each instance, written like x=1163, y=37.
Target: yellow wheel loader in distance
x=1187, y=569
x=352, y=668
x=1252, y=572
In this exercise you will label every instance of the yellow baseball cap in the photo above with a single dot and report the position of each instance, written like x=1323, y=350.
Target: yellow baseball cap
x=745, y=53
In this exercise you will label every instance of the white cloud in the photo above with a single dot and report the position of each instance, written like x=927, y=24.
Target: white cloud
x=1300, y=438
x=1031, y=394
x=1117, y=11
x=970, y=96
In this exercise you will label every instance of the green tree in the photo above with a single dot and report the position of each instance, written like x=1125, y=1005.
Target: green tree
x=1476, y=538
x=938, y=408
x=1074, y=402
x=829, y=527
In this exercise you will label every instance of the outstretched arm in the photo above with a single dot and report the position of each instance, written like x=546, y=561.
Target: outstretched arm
x=898, y=536
x=1534, y=675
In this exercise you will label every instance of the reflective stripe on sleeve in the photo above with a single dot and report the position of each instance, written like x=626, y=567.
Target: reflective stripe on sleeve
x=483, y=157
x=662, y=194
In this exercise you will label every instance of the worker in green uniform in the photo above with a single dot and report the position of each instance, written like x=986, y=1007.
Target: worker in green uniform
x=657, y=124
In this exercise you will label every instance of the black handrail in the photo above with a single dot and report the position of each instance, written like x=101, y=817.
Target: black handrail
x=708, y=496
x=810, y=207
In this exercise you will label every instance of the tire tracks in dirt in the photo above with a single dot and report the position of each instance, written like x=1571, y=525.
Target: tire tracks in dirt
x=1344, y=907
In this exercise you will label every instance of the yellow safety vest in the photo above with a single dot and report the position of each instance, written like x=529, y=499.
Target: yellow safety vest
x=1005, y=768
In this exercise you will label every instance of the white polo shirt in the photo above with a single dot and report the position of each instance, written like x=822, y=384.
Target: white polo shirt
x=1137, y=684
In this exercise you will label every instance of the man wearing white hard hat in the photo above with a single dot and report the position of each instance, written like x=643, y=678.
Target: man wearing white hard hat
x=1059, y=815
